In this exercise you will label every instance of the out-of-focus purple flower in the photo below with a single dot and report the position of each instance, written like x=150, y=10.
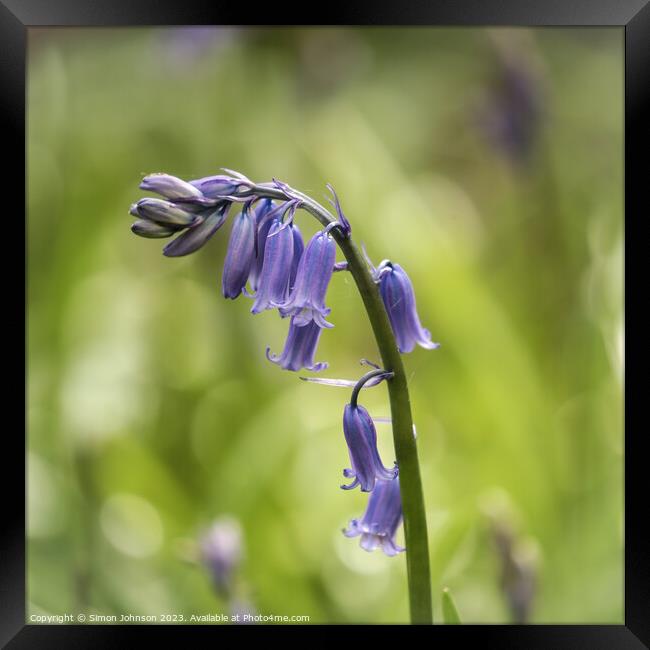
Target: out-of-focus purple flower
x=307, y=300
x=241, y=254
x=518, y=557
x=273, y=284
x=164, y=212
x=381, y=519
x=185, y=47
x=221, y=552
x=196, y=236
x=299, y=348
x=512, y=112
x=152, y=230
x=361, y=437
x=263, y=223
x=399, y=299
x=169, y=186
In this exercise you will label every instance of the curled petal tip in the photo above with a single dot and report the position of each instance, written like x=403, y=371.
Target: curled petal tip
x=299, y=350
x=380, y=522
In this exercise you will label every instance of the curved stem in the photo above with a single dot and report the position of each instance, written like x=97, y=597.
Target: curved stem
x=379, y=372
x=415, y=527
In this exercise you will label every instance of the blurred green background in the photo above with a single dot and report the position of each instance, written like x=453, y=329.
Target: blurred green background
x=488, y=163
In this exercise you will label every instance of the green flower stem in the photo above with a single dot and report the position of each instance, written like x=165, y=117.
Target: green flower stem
x=415, y=526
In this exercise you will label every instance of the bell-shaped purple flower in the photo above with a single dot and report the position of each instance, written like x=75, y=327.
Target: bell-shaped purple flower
x=399, y=299
x=240, y=255
x=263, y=223
x=381, y=519
x=361, y=436
x=307, y=300
x=276, y=268
x=299, y=349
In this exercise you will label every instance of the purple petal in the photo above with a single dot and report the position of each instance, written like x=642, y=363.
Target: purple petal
x=240, y=255
x=196, y=237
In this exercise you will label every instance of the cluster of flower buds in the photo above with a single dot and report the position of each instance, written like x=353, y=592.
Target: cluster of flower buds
x=193, y=210
x=268, y=261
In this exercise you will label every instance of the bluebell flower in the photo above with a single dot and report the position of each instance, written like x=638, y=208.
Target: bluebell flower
x=399, y=299
x=170, y=187
x=307, y=300
x=381, y=519
x=199, y=233
x=299, y=348
x=240, y=255
x=221, y=551
x=361, y=437
x=273, y=284
x=263, y=223
x=514, y=109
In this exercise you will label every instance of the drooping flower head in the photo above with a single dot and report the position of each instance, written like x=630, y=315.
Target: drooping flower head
x=299, y=348
x=241, y=254
x=307, y=300
x=399, y=299
x=221, y=552
x=361, y=437
x=381, y=519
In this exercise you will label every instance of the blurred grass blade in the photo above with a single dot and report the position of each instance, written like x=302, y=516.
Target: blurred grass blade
x=449, y=612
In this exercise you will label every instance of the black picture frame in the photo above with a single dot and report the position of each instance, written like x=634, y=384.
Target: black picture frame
x=632, y=16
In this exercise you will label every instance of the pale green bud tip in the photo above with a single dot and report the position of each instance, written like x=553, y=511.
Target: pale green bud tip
x=152, y=230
